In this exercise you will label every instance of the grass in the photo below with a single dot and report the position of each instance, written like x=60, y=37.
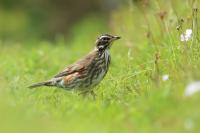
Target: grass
x=132, y=97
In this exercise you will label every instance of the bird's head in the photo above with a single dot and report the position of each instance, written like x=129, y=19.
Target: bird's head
x=105, y=41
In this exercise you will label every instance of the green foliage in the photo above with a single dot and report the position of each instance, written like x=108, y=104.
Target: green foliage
x=24, y=19
x=132, y=97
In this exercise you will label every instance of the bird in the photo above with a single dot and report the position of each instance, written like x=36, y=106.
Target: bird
x=86, y=73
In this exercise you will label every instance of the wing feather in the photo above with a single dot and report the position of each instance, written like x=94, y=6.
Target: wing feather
x=79, y=66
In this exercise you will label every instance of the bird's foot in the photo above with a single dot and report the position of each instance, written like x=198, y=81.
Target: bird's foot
x=86, y=94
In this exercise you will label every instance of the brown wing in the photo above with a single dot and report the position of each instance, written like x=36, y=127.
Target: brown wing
x=69, y=70
x=78, y=66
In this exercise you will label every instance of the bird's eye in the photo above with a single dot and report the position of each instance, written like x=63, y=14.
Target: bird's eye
x=105, y=39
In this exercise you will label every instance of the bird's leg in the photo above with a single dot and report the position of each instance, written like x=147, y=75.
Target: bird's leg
x=85, y=93
x=93, y=94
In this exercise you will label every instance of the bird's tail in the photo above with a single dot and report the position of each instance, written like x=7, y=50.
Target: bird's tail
x=45, y=83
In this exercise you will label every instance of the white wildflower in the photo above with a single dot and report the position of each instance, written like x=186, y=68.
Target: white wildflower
x=192, y=88
x=165, y=77
x=187, y=35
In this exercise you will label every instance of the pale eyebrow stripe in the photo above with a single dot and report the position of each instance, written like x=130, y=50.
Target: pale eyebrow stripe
x=108, y=36
x=103, y=37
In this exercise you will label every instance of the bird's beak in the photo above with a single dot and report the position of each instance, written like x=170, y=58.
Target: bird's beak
x=115, y=38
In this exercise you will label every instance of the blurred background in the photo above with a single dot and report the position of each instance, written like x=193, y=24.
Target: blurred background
x=46, y=19
x=152, y=82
